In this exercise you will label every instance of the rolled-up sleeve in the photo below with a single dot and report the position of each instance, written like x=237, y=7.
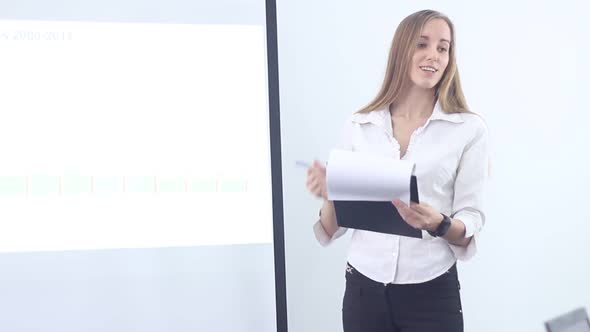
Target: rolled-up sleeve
x=471, y=178
x=345, y=142
x=323, y=238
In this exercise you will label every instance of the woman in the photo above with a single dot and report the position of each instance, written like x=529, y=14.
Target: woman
x=396, y=283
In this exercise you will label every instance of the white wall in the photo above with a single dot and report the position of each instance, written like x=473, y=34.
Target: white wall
x=524, y=67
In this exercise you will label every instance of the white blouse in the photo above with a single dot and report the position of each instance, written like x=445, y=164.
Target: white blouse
x=451, y=156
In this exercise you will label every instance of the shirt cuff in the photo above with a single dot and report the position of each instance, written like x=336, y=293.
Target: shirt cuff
x=465, y=253
x=469, y=219
x=323, y=238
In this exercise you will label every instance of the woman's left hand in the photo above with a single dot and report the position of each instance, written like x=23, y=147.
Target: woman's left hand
x=419, y=216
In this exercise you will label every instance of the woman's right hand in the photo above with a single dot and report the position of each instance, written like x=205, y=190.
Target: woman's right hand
x=316, y=180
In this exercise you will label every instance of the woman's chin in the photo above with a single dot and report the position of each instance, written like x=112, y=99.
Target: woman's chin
x=425, y=85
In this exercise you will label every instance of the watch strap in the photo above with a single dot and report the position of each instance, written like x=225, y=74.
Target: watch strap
x=443, y=228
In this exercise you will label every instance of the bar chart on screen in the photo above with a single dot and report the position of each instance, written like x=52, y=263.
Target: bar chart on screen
x=132, y=135
x=105, y=185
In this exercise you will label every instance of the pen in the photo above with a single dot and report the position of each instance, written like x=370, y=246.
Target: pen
x=302, y=163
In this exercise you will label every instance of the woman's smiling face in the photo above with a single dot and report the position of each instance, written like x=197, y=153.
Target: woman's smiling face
x=431, y=55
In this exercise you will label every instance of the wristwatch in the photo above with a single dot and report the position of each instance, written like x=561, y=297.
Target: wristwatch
x=443, y=228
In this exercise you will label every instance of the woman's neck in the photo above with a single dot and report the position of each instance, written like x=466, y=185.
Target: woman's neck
x=417, y=104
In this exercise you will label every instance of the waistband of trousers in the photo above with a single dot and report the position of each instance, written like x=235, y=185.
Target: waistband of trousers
x=354, y=275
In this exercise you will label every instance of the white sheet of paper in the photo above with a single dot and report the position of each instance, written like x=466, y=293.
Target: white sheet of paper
x=358, y=176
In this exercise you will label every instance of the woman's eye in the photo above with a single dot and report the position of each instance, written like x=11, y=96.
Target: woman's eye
x=442, y=49
x=421, y=45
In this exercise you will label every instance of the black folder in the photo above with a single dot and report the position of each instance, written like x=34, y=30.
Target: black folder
x=379, y=217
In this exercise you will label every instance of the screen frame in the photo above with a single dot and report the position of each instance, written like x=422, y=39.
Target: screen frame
x=276, y=165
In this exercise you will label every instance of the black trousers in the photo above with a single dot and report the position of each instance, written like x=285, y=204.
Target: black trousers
x=433, y=306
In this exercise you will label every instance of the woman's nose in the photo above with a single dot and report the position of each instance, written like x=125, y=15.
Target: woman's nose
x=433, y=54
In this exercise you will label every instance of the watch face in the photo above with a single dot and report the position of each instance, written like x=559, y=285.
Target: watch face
x=443, y=228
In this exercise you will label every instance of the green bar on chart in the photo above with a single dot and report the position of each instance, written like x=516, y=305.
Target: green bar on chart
x=76, y=185
x=171, y=184
x=13, y=185
x=202, y=185
x=232, y=186
x=107, y=184
x=44, y=185
x=140, y=184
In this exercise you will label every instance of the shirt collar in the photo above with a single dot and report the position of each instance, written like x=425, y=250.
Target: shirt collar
x=439, y=114
x=381, y=117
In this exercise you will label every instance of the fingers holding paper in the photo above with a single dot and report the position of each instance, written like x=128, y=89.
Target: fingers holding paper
x=316, y=180
x=419, y=216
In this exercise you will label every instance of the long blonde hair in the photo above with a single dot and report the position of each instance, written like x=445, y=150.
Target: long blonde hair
x=396, y=81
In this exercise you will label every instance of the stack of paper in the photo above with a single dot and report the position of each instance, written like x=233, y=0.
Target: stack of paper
x=362, y=187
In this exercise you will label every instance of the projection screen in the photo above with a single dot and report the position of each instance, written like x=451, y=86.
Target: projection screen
x=136, y=187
